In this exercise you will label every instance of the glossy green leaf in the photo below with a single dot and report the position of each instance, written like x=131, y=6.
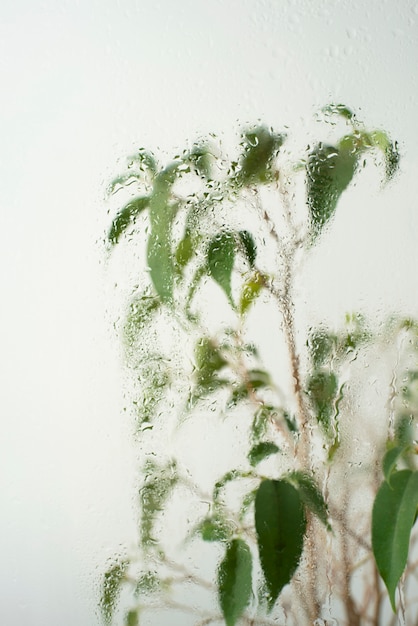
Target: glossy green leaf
x=126, y=217
x=329, y=172
x=280, y=525
x=311, y=496
x=111, y=588
x=249, y=246
x=261, y=451
x=394, y=512
x=132, y=618
x=235, y=581
x=220, y=258
x=261, y=146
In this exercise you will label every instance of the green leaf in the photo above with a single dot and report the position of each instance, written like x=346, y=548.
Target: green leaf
x=158, y=485
x=126, y=217
x=329, y=172
x=250, y=291
x=261, y=146
x=148, y=583
x=215, y=528
x=339, y=109
x=201, y=157
x=140, y=313
x=132, y=618
x=380, y=139
x=184, y=251
x=256, y=379
x=404, y=432
x=235, y=581
x=159, y=246
x=389, y=461
x=322, y=390
x=321, y=345
x=262, y=451
x=249, y=245
x=280, y=525
x=261, y=421
x=394, y=512
x=311, y=496
x=220, y=258
x=208, y=362
x=112, y=582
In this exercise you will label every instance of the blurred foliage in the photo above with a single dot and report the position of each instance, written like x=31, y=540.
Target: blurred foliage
x=194, y=212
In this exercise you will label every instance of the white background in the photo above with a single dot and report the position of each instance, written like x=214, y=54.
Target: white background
x=82, y=85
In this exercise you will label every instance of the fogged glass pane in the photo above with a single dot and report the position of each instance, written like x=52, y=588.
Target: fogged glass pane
x=209, y=316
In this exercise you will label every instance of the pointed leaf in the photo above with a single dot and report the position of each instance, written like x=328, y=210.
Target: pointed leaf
x=159, y=246
x=221, y=257
x=311, y=496
x=394, y=512
x=250, y=291
x=249, y=246
x=262, y=451
x=235, y=581
x=280, y=524
x=126, y=217
x=329, y=171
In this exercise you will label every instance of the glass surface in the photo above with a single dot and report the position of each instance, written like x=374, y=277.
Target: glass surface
x=86, y=85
